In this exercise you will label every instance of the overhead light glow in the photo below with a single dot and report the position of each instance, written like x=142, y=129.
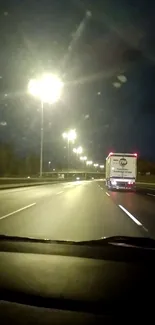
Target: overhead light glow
x=89, y=162
x=70, y=135
x=48, y=88
x=78, y=150
x=83, y=158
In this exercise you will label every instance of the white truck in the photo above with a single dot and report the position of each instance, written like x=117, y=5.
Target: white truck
x=121, y=170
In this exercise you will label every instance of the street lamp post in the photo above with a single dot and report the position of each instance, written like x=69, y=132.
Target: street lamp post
x=70, y=136
x=89, y=163
x=78, y=151
x=49, y=165
x=68, y=152
x=41, y=138
x=83, y=159
x=48, y=89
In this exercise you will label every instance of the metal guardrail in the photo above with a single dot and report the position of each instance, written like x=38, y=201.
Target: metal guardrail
x=14, y=182
x=17, y=183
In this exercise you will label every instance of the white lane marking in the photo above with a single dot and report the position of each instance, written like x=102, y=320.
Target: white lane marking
x=107, y=193
x=150, y=194
x=130, y=215
x=60, y=192
x=16, y=211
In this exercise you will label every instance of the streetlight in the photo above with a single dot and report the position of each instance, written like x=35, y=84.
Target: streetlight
x=70, y=136
x=89, y=163
x=101, y=166
x=84, y=158
x=48, y=89
x=49, y=165
x=95, y=165
x=78, y=150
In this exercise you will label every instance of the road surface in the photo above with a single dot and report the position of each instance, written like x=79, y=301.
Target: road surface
x=75, y=211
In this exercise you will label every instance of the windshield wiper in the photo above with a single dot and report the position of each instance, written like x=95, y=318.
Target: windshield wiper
x=124, y=241
x=34, y=240
x=139, y=242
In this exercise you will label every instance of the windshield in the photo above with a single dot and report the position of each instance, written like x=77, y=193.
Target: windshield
x=77, y=153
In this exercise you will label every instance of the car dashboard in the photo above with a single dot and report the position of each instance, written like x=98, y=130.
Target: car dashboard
x=66, y=284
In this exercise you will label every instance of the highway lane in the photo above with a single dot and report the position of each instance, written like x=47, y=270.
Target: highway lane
x=14, y=199
x=72, y=211
x=141, y=205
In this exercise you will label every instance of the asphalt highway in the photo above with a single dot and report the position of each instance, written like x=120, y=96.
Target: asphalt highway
x=81, y=210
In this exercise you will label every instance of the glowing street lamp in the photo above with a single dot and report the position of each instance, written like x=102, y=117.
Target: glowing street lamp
x=89, y=163
x=95, y=165
x=48, y=89
x=101, y=166
x=70, y=136
x=83, y=158
x=78, y=150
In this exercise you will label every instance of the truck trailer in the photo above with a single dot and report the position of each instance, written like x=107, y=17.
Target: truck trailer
x=121, y=171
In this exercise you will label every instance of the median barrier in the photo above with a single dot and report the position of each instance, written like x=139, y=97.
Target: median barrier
x=8, y=183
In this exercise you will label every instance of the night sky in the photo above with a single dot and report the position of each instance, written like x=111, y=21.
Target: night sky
x=90, y=44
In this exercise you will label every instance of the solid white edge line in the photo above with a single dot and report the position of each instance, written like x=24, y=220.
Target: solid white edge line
x=16, y=211
x=150, y=194
x=130, y=215
x=107, y=193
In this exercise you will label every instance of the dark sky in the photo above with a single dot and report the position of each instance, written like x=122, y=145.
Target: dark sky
x=90, y=53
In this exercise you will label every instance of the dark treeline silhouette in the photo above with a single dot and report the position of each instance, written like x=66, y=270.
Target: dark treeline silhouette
x=145, y=166
x=13, y=165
